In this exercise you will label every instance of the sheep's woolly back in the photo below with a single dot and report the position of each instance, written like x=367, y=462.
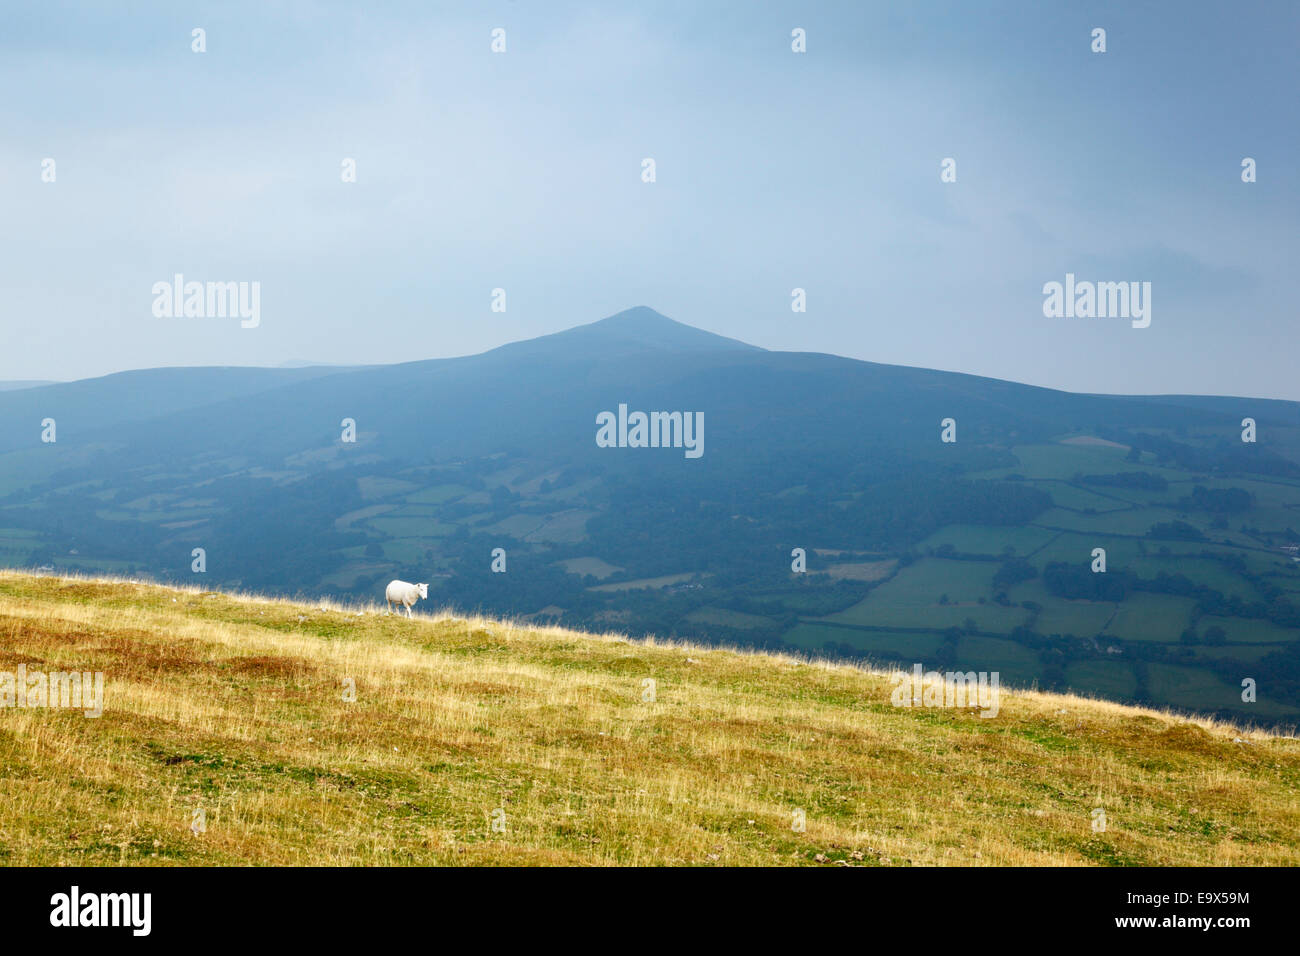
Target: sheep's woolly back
x=402, y=592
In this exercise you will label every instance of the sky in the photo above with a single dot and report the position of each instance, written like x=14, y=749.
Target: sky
x=522, y=170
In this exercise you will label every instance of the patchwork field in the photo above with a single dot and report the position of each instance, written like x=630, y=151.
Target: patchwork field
x=1202, y=580
x=1190, y=649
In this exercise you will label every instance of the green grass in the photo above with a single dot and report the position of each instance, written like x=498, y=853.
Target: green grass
x=879, y=645
x=1245, y=630
x=402, y=527
x=1179, y=686
x=923, y=582
x=1247, y=653
x=640, y=583
x=436, y=494
x=1061, y=615
x=1064, y=461
x=1138, y=521
x=723, y=617
x=372, y=488
x=1077, y=549
x=589, y=566
x=1015, y=663
x=1287, y=582
x=1112, y=679
x=562, y=526
x=405, y=550
x=1144, y=616
x=984, y=539
x=1078, y=498
x=912, y=599
x=1206, y=571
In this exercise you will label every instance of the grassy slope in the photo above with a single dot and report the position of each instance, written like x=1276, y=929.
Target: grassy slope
x=234, y=705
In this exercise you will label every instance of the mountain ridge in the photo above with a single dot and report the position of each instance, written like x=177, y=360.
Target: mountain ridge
x=636, y=329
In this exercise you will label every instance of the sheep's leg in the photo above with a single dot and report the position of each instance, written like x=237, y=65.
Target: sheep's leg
x=408, y=610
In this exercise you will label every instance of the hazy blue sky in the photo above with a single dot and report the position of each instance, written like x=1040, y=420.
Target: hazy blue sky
x=775, y=170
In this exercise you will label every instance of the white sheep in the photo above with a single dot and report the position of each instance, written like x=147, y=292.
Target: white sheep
x=399, y=592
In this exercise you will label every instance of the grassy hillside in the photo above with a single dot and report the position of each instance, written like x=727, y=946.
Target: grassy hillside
x=234, y=705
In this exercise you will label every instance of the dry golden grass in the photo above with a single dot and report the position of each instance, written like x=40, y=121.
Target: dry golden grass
x=234, y=705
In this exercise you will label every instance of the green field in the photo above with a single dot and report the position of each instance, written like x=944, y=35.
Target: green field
x=1078, y=498
x=1077, y=549
x=1062, y=615
x=1245, y=630
x=1151, y=617
x=1064, y=461
x=1114, y=680
x=589, y=565
x=983, y=539
x=897, y=645
x=723, y=617
x=400, y=527
x=1205, y=571
x=1136, y=521
x=436, y=494
x=1238, y=652
x=1190, y=687
x=1017, y=664
x=915, y=597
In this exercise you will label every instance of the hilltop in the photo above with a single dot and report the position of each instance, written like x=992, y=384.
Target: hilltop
x=234, y=706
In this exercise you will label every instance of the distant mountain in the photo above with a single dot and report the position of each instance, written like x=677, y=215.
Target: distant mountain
x=16, y=385
x=976, y=551
x=631, y=331
x=81, y=407
x=304, y=363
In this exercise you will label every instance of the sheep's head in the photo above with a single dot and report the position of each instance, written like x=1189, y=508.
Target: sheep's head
x=424, y=590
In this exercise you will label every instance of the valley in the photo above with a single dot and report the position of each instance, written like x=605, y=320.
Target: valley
x=976, y=554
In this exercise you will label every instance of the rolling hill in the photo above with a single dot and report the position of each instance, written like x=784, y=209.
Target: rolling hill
x=247, y=730
x=976, y=552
